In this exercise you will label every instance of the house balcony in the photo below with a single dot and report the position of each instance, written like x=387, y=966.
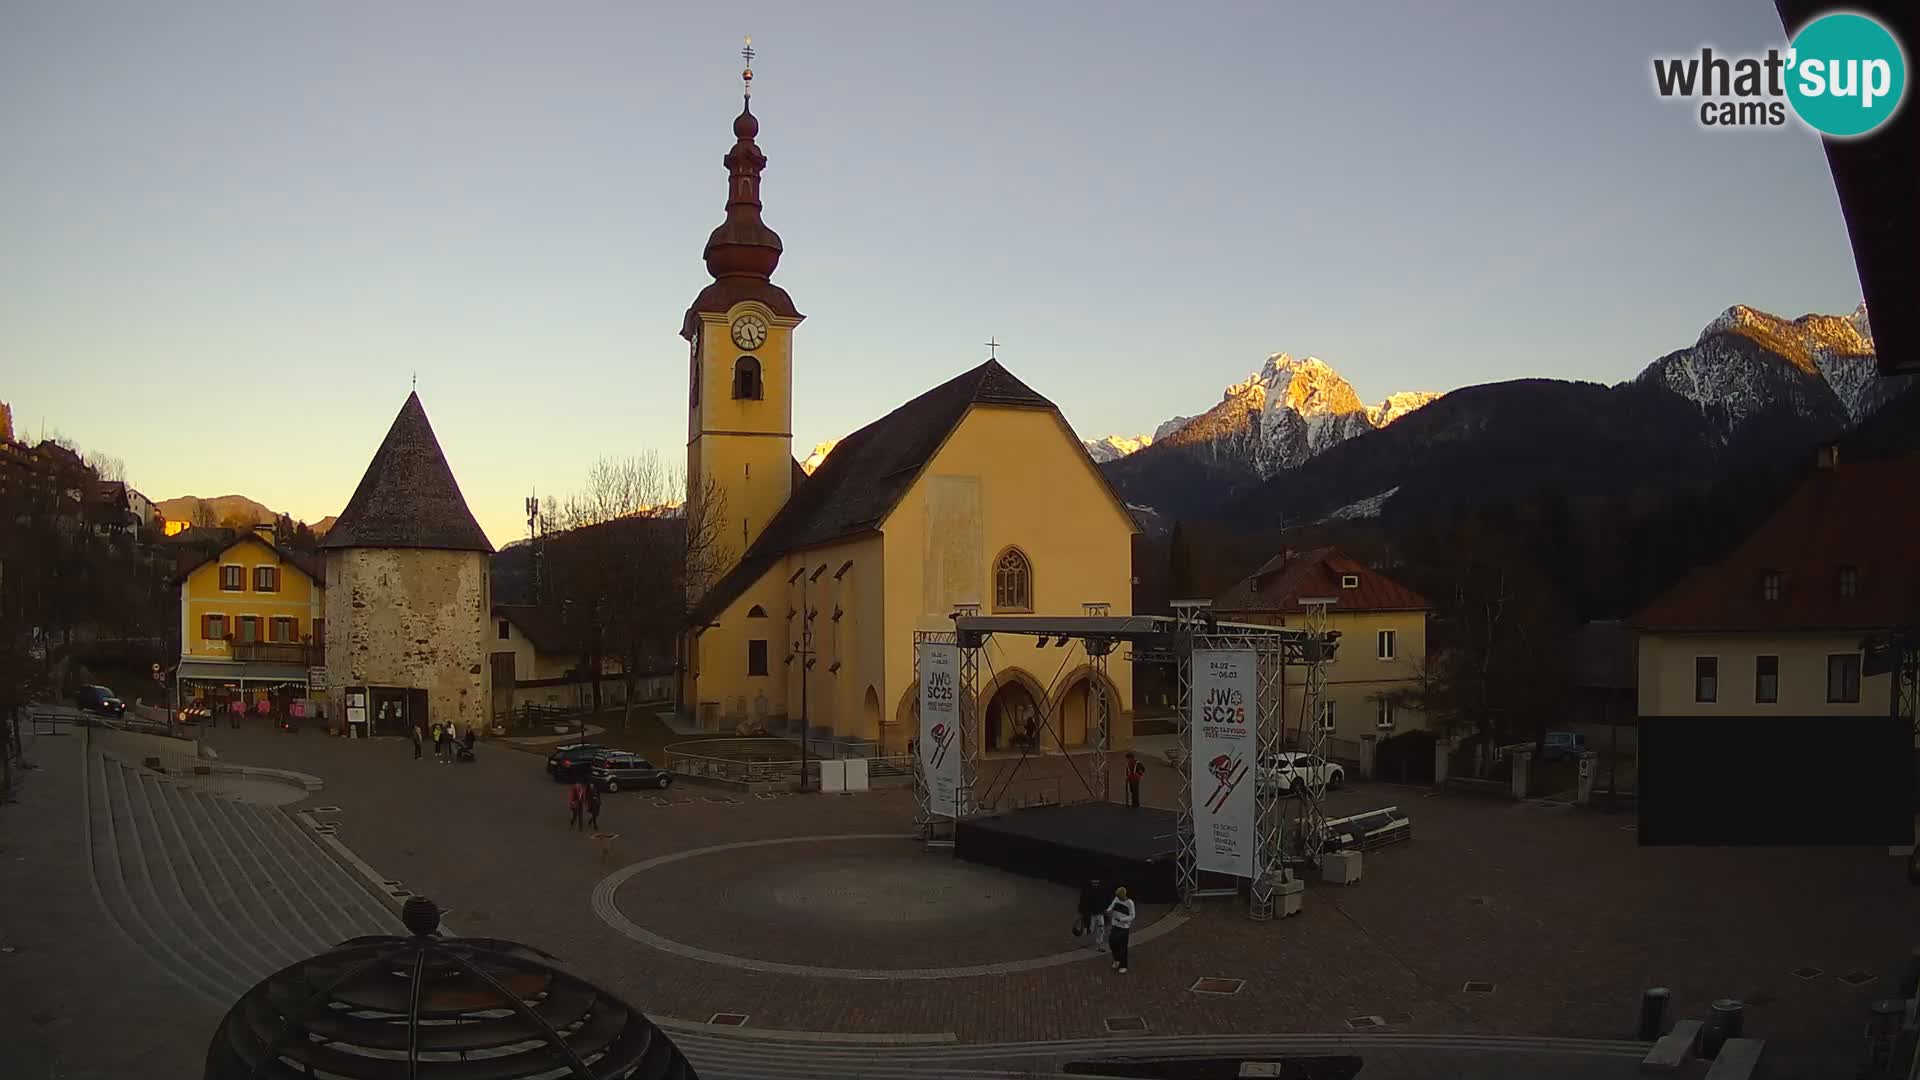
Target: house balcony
x=276, y=652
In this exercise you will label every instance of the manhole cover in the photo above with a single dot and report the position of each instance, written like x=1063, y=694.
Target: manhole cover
x=728, y=1019
x=1362, y=1023
x=1807, y=973
x=1475, y=986
x=1126, y=1023
x=1856, y=978
x=1213, y=985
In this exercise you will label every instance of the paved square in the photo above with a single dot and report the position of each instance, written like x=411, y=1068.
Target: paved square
x=1561, y=910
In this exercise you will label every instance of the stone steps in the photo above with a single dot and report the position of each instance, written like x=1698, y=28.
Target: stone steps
x=220, y=893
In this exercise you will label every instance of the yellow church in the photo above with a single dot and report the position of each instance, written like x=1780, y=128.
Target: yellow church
x=976, y=494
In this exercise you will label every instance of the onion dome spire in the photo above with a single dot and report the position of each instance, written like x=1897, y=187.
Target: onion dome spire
x=743, y=246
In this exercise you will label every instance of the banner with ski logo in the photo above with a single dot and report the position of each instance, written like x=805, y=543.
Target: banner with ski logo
x=1223, y=744
x=940, y=749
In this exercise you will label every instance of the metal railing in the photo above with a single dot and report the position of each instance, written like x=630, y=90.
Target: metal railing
x=775, y=766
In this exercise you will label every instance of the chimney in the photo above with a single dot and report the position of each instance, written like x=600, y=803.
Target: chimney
x=1827, y=457
x=264, y=530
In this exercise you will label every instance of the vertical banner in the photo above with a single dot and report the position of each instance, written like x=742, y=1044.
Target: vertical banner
x=940, y=748
x=1225, y=708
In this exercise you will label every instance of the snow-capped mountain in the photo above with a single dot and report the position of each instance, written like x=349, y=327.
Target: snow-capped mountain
x=820, y=451
x=1115, y=447
x=1750, y=366
x=1276, y=418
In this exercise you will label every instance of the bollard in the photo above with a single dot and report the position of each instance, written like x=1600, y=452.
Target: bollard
x=1883, y=1032
x=1723, y=1023
x=1653, y=1013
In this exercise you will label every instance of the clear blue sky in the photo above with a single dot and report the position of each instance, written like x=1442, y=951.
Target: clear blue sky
x=233, y=231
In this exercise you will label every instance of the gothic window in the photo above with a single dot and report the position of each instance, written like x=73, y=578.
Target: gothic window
x=1012, y=582
x=756, y=612
x=746, y=379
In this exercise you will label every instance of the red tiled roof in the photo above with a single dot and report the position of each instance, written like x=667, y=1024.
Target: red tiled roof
x=1864, y=515
x=1288, y=577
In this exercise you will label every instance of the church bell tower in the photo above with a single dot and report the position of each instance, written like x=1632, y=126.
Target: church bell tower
x=739, y=333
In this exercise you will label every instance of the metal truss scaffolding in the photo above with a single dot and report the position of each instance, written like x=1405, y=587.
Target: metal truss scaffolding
x=1288, y=831
x=935, y=824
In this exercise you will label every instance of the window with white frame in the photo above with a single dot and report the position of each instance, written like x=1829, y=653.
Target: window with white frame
x=1328, y=715
x=233, y=579
x=283, y=630
x=266, y=579
x=1385, y=641
x=1383, y=715
x=213, y=627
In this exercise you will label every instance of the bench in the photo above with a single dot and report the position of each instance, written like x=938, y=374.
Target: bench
x=1674, y=1048
x=1736, y=1060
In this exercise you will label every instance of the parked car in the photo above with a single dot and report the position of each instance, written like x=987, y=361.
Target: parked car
x=566, y=761
x=1279, y=773
x=100, y=701
x=617, y=769
x=1563, y=746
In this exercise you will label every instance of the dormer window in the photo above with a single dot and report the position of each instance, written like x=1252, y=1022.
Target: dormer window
x=1349, y=581
x=1848, y=583
x=1770, y=586
x=746, y=379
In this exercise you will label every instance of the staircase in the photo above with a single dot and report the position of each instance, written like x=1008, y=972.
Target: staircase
x=220, y=893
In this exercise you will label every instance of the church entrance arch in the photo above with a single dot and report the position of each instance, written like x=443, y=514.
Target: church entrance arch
x=1075, y=716
x=870, y=716
x=1013, y=720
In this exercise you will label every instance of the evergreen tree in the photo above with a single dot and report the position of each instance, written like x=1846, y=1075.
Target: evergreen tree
x=1179, y=565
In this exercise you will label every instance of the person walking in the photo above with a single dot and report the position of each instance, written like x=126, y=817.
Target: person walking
x=1091, y=918
x=1136, y=770
x=576, y=804
x=1120, y=913
x=593, y=808
x=418, y=738
x=438, y=734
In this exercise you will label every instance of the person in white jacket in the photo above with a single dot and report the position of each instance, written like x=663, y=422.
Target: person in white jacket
x=1119, y=927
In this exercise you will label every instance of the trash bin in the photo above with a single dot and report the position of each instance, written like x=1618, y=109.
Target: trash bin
x=1723, y=1022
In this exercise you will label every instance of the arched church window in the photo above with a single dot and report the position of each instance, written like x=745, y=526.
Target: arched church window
x=756, y=612
x=746, y=379
x=1012, y=582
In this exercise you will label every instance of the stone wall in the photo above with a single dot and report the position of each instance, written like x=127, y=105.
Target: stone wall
x=410, y=618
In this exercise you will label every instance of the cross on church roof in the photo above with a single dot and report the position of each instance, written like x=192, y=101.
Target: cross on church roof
x=993, y=347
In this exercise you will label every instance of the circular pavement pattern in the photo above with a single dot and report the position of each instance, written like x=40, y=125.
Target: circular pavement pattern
x=855, y=902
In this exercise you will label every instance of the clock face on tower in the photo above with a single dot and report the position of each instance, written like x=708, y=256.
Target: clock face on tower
x=749, y=331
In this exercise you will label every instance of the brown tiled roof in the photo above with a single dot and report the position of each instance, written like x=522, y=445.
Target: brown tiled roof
x=408, y=497
x=1279, y=586
x=859, y=484
x=1864, y=515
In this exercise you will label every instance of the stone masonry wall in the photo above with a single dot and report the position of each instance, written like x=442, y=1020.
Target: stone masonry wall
x=410, y=618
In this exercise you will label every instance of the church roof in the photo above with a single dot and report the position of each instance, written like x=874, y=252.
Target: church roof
x=867, y=474
x=408, y=498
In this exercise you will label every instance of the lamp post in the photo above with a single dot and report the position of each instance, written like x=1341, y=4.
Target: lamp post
x=803, y=651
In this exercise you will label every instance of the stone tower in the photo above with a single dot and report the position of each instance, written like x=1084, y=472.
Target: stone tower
x=407, y=590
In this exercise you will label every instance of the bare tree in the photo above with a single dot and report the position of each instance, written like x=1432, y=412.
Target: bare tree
x=633, y=559
x=203, y=515
x=105, y=466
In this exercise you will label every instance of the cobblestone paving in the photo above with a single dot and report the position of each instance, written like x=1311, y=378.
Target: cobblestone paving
x=1558, y=908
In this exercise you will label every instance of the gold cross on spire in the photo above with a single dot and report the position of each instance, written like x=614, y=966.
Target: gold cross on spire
x=746, y=76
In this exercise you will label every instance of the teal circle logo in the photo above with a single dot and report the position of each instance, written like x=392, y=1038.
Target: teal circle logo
x=1845, y=74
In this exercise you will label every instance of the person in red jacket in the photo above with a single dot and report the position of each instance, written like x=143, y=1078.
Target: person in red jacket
x=1135, y=771
x=576, y=803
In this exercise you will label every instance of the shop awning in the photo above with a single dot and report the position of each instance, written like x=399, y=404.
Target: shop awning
x=214, y=671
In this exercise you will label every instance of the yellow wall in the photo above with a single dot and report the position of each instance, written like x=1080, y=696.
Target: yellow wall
x=300, y=598
x=1357, y=677
x=1666, y=675
x=746, y=446
x=1037, y=491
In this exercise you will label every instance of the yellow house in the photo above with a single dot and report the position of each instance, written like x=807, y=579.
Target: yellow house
x=1383, y=640
x=252, y=624
x=1775, y=628
x=977, y=492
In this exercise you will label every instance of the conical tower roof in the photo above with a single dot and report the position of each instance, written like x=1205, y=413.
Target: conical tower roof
x=408, y=498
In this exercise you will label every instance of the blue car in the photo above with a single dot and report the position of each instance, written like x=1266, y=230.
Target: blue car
x=100, y=701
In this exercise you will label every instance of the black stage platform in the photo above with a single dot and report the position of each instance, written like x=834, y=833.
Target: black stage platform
x=1120, y=845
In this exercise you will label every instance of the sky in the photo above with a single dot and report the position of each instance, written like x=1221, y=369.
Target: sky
x=233, y=234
